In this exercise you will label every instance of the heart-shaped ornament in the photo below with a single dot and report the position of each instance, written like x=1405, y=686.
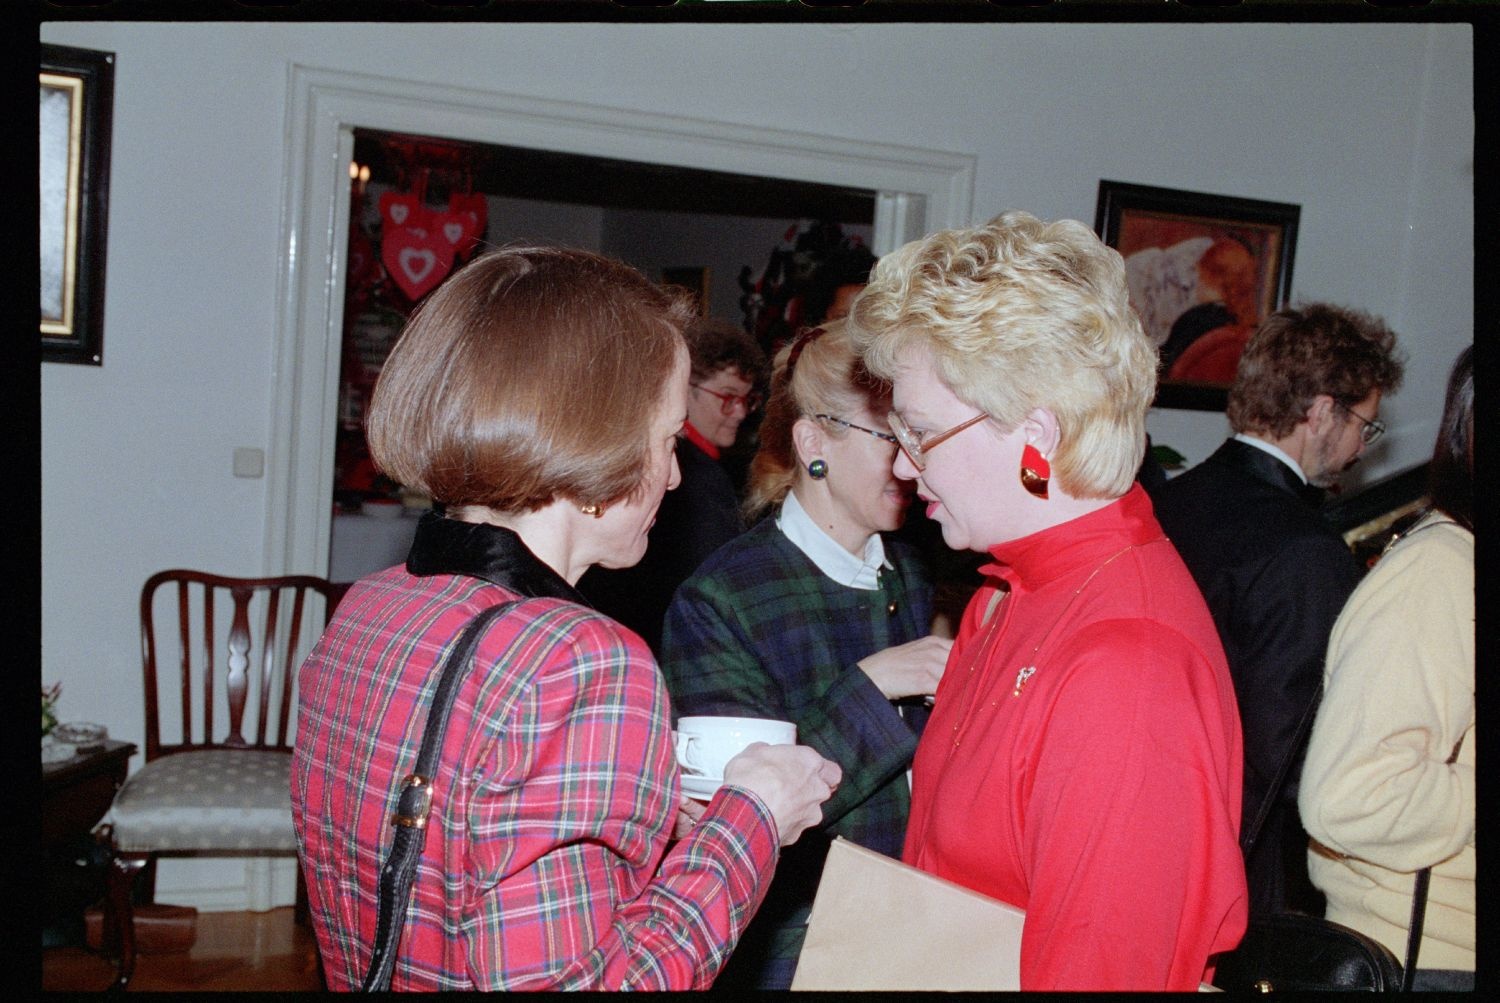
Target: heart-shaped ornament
x=457, y=228
x=402, y=209
x=477, y=208
x=417, y=259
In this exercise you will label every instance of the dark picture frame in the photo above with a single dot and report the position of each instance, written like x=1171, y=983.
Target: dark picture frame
x=1204, y=270
x=75, y=122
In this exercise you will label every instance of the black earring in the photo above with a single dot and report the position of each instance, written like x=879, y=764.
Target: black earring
x=817, y=470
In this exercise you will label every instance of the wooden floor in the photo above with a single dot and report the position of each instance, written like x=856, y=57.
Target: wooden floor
x=234, y=951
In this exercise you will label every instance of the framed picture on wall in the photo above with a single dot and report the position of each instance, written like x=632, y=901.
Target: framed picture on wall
x=76, y=105
x=1204, y=270
x=692, y=278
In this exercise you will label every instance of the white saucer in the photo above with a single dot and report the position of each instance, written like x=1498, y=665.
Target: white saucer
x=700, y=788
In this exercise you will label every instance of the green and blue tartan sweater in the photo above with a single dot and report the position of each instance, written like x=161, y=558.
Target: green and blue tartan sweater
x=759, y=631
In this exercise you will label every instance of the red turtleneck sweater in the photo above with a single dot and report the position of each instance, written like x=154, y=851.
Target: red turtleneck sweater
x=1104, y=798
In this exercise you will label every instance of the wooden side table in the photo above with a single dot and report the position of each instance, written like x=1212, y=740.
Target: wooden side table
x=76, y=793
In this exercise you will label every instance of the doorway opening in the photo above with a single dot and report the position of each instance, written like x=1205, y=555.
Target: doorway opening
x=917, y=190
x=720, y=234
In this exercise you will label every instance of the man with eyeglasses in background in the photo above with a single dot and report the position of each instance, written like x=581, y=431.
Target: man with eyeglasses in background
x=1303, y=408
x=703, y=512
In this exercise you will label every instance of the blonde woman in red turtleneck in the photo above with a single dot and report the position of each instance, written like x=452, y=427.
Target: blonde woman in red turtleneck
x=703, y=513
x=1083, y=757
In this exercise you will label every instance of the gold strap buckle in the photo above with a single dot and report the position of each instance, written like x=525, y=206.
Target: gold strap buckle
x=414, y=802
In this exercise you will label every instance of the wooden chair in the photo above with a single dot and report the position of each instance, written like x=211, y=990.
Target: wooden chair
x=222, y=792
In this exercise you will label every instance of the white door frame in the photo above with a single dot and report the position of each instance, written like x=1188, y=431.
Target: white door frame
x=917, y=190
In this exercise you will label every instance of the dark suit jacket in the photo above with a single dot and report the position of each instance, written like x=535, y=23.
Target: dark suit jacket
x=697, y=518
x=1275, y=577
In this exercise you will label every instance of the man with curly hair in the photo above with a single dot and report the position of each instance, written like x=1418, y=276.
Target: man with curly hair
x=1303, y=407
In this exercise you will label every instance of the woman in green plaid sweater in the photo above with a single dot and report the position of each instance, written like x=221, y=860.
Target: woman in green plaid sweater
x=813, y=616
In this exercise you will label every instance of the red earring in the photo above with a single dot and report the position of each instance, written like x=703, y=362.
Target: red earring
x=1035, y=471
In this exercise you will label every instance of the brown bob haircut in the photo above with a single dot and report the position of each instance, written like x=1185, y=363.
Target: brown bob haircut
x=1301, y=352
x=531, y=374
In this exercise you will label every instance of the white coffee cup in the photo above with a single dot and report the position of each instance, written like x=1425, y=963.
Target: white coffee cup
x=706, y=744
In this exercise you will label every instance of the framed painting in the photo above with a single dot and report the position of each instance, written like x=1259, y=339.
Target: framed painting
x=694, y=279
x=76, y=103
x=1204, y=270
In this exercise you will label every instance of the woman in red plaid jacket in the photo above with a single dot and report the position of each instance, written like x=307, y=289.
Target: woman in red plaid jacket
x=536, y=397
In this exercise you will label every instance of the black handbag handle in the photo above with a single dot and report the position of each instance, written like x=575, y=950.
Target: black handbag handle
x=415, y=802
x=1414, y=927
x=1419, y=909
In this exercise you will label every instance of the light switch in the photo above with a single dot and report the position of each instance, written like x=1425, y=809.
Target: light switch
x=249, y=462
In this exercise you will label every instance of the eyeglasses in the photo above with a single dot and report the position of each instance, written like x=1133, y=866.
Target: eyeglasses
x=884, y=436
x=1371, y=431
x=918, y=443
x=750, y=401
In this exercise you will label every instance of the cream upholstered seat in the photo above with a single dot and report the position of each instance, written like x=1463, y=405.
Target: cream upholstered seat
x=222, y=789
x=218, y=799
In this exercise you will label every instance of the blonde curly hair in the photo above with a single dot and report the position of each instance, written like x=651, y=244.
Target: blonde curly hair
x=1022, y=314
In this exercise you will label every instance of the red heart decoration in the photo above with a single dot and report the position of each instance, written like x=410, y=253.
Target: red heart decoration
x=416, y=259
x=402, y=209
x=477, y=208
x=457, y=228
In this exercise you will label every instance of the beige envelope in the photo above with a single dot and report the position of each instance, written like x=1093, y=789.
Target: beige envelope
x=879, y=924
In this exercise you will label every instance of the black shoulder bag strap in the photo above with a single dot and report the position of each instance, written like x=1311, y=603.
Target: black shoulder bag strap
x=1247, y=841
x=414, y=803
x=1419, y=910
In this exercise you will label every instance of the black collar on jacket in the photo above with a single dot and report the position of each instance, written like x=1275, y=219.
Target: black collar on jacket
x=1264, y=467
x=444, y=546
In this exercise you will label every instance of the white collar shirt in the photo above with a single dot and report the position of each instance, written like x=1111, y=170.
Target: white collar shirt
x=859, y=572
x=1275, y=451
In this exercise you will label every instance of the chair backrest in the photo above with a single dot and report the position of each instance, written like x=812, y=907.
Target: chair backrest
x=256, y=617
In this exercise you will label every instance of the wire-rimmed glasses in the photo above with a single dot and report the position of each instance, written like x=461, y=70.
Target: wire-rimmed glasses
x=884, y=436
x=1369, y=430
x=917, y=443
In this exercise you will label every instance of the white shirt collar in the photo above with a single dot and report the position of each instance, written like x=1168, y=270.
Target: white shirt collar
x=831, y=559
x=1275, y=451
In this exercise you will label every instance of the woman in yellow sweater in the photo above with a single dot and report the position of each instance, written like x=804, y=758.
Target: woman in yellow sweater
x=1382, y=793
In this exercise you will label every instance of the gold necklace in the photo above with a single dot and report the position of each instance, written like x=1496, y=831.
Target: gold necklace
x=1027, y=671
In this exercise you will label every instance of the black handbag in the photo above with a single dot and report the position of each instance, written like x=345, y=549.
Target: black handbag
x=1290, y=952
x=415, y=802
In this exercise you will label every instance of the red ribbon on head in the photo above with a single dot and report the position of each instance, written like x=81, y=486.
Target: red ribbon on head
x=802, y=341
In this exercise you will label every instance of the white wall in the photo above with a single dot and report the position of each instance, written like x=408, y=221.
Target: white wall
x=544, y=222
x=1367, y=126
x=724, y=244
